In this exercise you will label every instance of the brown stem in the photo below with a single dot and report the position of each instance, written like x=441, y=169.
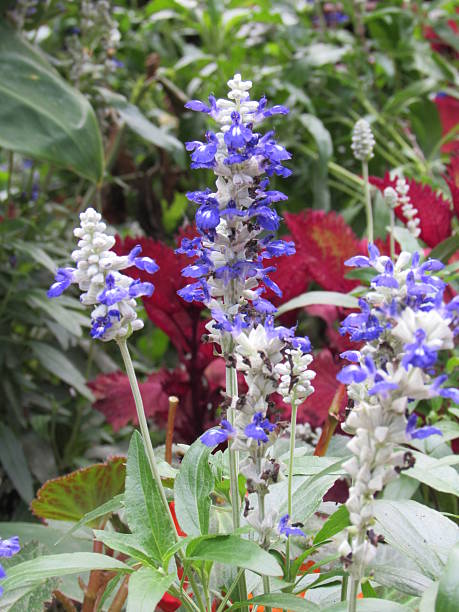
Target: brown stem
x=95, y=579
x=120, y=597
x=331, y=423
x=64, y=601
x=173, y=404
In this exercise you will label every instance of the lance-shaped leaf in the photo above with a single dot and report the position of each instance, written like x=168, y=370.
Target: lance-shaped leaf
x=71, y=497
x=193, y=486
x=146, y=514
x=41, y=115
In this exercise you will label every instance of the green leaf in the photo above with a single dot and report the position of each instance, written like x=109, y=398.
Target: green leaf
x=73, y=496
x=146, y=515
x=125, y=543
x=114, y=504
x=14, y=463
x=409, y=95
x=235, y=551
x=193, y=485
x=139, y=124
x=445, y=249
x=320, y=134
x=310, y=464
x=421, y=533
x=285, y=601
x=333, y=525
x=368, y=605
x=48, y=566
x=436, y=473
x=57, y=363
x=448, y=589
x=41, y=115
x=63, y=316
x=146, y=588
x=319, y=297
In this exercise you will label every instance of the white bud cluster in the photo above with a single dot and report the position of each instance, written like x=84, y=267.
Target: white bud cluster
x=363, y=141
x=295, y=377
x=94, y=261
x=409, y=211
x=238, y=100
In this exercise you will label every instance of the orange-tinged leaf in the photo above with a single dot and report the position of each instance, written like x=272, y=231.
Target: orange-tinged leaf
x=70, y=497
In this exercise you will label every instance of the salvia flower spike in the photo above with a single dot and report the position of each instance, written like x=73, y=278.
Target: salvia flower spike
x=111, y=294
x=404, y=324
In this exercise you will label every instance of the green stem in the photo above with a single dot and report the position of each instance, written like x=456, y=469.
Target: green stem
x=144, y=427
x=290, y=476
x=261, y=512
x=10, y=174
x=231, y=392
x=184, y=597
x=195, y=588
x=352, y=603
x=344, y=587
x=392, y=239
x=230, y=590
x=367, y=197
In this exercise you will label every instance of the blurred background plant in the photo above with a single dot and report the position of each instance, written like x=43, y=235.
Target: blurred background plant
x=92, y=112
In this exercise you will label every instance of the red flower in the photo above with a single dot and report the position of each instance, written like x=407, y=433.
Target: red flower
x=433, y=210
x=324, y=241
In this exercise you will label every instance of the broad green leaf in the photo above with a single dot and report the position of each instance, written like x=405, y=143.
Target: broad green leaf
x=14, y=463
x=437, y=473
x=30, y=597
x=48, y=566
x=193, y=485
x=50, y=537
x=125, y=543
x=233, y=550
x=71, y=497
x=139, y=124
x=368, y=605
x=146, y=588
x=41, y=115
x=448, y=588
x=409, y=95
x=58, y=364
x=421, y=533
x=311, y=298
x=310, y=464
x=307, y=493
x=146, y=515
x=333, y=525
x=285, y=601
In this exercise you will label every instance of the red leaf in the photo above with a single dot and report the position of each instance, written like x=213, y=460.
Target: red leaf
x=177, y=318
x=114, y=398
x=433, y=209
x=324, y=241
x=315, y=409
x=448, y=108
x=452, y=178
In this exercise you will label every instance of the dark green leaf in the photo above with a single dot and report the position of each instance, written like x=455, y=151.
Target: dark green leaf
x=233, y=550
x=333, y=525
x=14, y=463
x=146, y=588
x=58, y=364
x=445, y=249
x=192, y=489
x=146, y=515
x=41, y=115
